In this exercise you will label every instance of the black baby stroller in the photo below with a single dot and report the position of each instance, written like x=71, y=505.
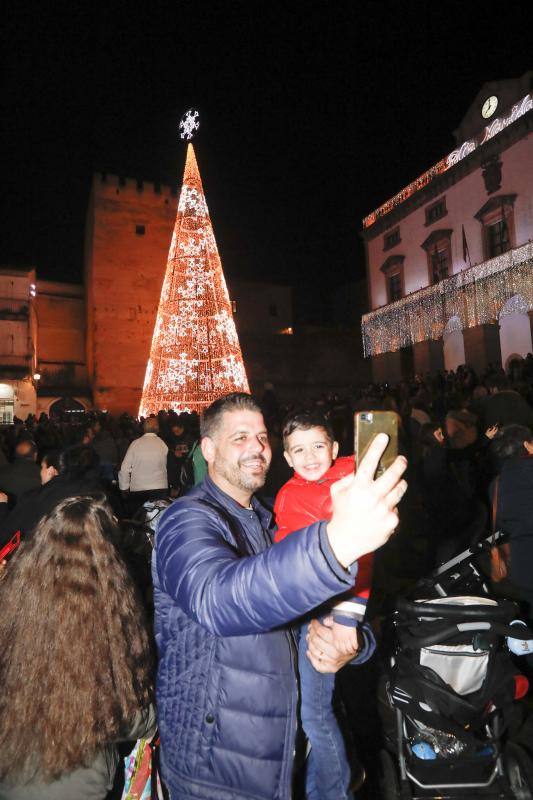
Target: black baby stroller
x=450, y=691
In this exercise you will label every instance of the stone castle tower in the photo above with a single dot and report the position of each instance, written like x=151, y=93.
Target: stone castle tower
x=129, y=226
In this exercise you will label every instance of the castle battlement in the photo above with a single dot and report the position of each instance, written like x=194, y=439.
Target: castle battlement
x=133, y=187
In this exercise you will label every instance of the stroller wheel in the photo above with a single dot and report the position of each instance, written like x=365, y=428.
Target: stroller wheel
x=519, y=771
x=389, y=783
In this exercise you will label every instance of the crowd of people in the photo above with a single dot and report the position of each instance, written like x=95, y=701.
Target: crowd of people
x=223, y=615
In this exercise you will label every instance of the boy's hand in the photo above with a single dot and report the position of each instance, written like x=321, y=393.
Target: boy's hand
x=345, y=638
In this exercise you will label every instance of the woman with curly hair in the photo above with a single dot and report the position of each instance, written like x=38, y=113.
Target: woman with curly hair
x=75, y=659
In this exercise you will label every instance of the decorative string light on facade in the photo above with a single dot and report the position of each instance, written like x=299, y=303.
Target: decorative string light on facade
x=474, y=296
x=496, y=126
x=195, y=355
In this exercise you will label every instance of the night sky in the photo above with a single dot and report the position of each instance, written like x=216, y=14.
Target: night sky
x=312, y=115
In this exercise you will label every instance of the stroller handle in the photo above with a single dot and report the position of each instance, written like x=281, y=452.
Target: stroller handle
x=449, y=632
x=504, y=611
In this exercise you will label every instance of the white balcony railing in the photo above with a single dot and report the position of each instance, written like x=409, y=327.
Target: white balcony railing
x=475, y=296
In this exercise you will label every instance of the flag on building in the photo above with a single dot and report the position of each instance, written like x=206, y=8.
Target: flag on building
x=195, y=355
x=466, y=254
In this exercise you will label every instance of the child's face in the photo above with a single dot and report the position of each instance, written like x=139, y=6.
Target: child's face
x=310, y=453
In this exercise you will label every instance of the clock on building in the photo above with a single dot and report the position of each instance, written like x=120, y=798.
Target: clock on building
x=489, y=106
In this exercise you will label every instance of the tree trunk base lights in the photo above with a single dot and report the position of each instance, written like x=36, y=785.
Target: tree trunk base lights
x=195, y=355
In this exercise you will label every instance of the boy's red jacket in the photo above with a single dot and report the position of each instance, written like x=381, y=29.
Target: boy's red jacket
x=300, y=503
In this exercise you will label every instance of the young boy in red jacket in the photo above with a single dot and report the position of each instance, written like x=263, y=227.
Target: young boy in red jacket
x=311, y=450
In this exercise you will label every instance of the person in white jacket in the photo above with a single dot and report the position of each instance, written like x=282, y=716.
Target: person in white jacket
x=143, y=474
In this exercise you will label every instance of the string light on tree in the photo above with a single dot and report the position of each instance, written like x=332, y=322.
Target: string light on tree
x=195, y=355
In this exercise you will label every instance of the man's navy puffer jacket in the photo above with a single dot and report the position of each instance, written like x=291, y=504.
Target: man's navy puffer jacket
x=227, y=688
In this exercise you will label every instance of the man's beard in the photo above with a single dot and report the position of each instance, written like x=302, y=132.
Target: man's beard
x=239, y=478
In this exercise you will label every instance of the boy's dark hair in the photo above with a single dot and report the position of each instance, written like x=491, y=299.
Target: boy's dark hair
x=236, y=401
x=304, y=421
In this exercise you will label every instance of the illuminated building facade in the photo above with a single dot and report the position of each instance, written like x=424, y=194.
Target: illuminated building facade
x=450, y=257
x=42, y=346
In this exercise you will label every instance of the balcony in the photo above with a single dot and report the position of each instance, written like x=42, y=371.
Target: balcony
x=15, y=367
x=15, y=310
x=475, y=295
x=66, y=378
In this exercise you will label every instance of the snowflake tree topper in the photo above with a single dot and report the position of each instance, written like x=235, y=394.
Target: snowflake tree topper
x=189, y=124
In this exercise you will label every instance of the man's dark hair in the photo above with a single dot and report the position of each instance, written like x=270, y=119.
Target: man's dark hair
x=78, y=461
x=304, y=421
x=497, y=381
x=509, y=443
x=52, y=458
x=236, y=401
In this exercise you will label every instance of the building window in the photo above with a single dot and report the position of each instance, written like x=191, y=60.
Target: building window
x=6, y=411
x=439, y=265
x=439, y=255
x=394, y=286
x=497, y=221
x=498, y=241
x=436, y=211
x=391, y=239
x=234, y=306
x=393, y=272
x=140, y=230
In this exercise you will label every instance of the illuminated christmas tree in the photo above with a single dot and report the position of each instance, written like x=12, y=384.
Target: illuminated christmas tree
x=195, y=355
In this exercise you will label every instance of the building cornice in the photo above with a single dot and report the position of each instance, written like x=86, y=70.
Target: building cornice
x=440, y=183
x=436, y=236
x=499, y=201
x=392, y=261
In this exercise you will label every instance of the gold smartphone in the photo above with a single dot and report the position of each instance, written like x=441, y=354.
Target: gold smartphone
x=367, y=424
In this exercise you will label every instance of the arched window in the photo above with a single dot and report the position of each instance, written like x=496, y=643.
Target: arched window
x=66, y=407
x=453, y=344
x=515, y=328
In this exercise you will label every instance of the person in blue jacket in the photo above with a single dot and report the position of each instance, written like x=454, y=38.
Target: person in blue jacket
x=227, y=691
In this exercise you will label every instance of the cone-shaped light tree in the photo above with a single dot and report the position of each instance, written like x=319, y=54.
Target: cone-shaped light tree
x=195, y=355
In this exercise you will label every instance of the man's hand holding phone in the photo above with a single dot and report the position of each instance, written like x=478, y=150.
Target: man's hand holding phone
x=365, y=509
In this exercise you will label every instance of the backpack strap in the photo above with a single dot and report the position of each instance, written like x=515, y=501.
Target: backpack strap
x=242, y=546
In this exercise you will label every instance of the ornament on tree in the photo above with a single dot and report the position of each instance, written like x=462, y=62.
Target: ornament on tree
x=195, y=355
